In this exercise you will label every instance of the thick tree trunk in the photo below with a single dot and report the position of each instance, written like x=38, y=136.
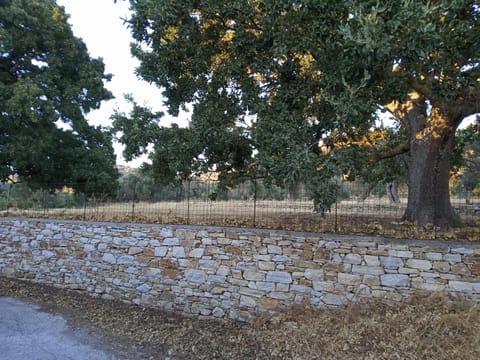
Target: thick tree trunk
x=431, y=143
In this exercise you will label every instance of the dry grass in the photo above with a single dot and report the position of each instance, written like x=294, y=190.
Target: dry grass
x=372, y=216
x=430, y=327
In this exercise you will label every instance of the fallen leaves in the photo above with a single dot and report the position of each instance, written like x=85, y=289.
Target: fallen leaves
x=424, y=327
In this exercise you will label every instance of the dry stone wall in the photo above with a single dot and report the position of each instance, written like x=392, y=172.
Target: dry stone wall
x=231, y=273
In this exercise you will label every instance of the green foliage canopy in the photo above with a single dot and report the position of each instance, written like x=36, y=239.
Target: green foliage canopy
x=48, y=82
x=293, y=88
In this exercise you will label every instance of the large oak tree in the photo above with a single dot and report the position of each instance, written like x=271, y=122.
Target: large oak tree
x=48, y=83
x=294, y=88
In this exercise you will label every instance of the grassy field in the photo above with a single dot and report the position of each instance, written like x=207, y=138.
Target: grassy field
x=375, y=216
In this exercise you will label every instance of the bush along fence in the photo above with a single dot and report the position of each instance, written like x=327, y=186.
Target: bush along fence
x=232, y=273
x=356, y=209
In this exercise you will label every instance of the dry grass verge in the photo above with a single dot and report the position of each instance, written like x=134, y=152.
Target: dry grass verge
x=430, y=327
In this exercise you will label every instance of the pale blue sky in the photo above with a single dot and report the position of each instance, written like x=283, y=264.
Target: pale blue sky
x=99, y=23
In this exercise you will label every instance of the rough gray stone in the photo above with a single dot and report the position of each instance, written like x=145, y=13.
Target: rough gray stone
x=265, y=286
x=273, y=249
x=370, y=270
x=195, y=276
x=196, y=253
x=314, y=274
x=395, y=280
x=143, y=288
x=161, y=251
x=400, y=253
x=390, y=262
x=171, y=242
x=462, y=286
x=279, y=277
x=125, y=260
x=419, y=264
x=218, y=312
x=217, y=279
x=89, y=248
x=353, y=259
x=247, y=301
x=178, y=252
x=334, y=299
x=109, y=258
x=452, y=258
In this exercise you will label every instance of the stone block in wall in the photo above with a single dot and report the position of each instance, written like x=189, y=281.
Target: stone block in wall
x=134, y=250
x=161, y=251
x=196, y=276
x=419, y=264
x=353, y=259
x=442, y=266
x=279, y=277
x=395, y=280
x=314, y=274
x=281, y=295
x=233, y=250
x=475, y=269
x=349, y=279
x=428, y=286
x=171, y=242
x=302, y=289
x=372, y=260
x=401, y=253
x=178, y=252
x=322, y=254
x=434, y=256
x=109, y=258
x=472, y=259
x=464, y=286
x=125, y=260
x=369, y=270
x=460, y=269
x=462, y=250
x=334, y=299
x=254, y=275
x=452, y=258
x=323, y=286
x=391, y=262
x=338, y=267
x=248, y=301
x=266, y=265
x=371, y=280
x=273, y=249
x=196, y=253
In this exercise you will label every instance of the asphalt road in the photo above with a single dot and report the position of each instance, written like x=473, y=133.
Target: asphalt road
x=28, y=333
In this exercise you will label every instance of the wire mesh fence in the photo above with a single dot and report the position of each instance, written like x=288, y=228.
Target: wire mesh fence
x=357, y=209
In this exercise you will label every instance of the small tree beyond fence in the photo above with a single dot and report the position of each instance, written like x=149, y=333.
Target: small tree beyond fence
x=357, y=208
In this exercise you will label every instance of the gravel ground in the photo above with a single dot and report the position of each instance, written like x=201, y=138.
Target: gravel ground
x=424, y=328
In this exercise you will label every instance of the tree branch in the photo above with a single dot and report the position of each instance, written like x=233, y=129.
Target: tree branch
x=419, y=87
x=387, y=154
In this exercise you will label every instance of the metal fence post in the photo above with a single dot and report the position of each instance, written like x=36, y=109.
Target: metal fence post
x=254, y=202
x=8, y=197
x=44, y=202
x=188, y=201
x=336, y=209
x=84, y=207
x=133, y=200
